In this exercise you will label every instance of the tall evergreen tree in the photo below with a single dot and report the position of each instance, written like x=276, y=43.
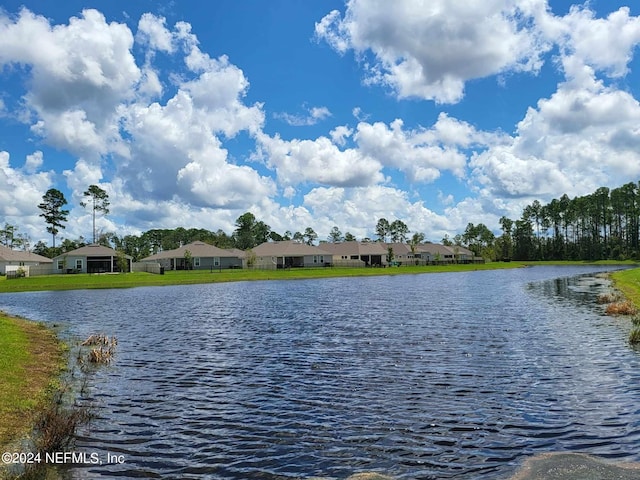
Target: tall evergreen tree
x=383, y=228
x=52, y=211
x=399, y=231
x=98, y=199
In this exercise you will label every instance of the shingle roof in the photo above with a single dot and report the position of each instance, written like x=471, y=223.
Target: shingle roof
x=9, y=255
x=355, y=248
x=288, y=248
x=399, y=248
x=92, y=250
x=196, y=249
x=236, y=252
x=436, y=248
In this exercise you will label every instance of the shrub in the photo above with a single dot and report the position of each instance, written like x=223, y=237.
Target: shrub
x=57, y=425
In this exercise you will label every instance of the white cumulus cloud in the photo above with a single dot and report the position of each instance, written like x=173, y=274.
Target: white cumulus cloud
x=430, y=49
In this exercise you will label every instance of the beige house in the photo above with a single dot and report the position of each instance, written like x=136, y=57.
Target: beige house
x=92, y=258
x=203, y=256
x=435, y=252
x=357, y=254
x=402, y=253
x=287, y=254
x=20, y=258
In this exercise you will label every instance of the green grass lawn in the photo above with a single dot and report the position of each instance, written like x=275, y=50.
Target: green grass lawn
x=580, y=262
x=30, y=361
x=182, y=277
x=628, y=282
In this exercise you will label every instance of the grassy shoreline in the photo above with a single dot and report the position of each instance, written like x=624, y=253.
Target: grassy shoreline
x=628, y=282
x=31, y=361
x=139, y=279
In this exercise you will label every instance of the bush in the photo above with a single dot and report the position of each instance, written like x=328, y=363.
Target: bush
x=57, y=425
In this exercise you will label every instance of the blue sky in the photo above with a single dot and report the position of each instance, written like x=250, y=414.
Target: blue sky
x=316, y=113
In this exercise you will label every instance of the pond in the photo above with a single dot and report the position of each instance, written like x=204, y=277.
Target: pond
x=415, y=376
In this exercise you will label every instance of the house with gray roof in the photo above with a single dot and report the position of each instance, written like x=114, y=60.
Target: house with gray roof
x=20, y=258
x=357, y=254
x=202, y=256
x=92, y=258
x=287, y=254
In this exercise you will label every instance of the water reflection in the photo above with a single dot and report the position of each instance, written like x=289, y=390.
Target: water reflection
x=431, y=376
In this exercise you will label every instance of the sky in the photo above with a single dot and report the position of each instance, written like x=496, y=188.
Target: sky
x=313, y=113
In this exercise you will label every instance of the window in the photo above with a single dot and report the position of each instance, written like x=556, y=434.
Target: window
x=196, y=262
x=78, y=264
x=216, y=261
x=318, y=259
x=60, y=264
x=354, y=257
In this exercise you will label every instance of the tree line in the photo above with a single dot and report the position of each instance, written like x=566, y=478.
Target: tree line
x=602, y=225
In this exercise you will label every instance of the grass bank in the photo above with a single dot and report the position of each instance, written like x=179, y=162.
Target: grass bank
x=31, y=359
x=628, y=282
x=182, y=277
x=580, y=262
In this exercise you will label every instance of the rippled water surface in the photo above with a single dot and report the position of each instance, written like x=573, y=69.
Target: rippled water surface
x=456, y=375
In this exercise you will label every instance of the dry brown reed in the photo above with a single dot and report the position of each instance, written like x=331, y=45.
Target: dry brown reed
x=609, y=297
x=621, y=308
x=101, y=355
x=100, y=339
x=105, y=348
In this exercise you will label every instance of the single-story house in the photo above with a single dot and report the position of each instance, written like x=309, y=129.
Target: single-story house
x=203, y=256
x=288, y=253
x=92, y=258
x=354, y=253
x=435, y=252
x=401, y=253
x=21, y=258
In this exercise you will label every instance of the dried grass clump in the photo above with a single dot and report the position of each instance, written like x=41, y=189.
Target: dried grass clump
x=621, y=308
x=101, y=339
x=634, y=336
x=101, y=355
x=105, y=348
x=609, y=298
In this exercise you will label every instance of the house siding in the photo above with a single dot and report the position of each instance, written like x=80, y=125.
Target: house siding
x=5, y=264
